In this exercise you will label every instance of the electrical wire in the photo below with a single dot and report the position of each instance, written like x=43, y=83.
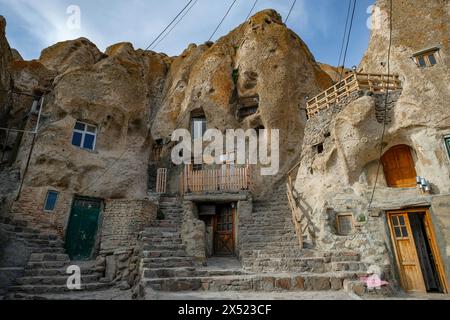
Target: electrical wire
x=173, y=27
x=251, y=10
x=223, y=19
x=385, y=103
x=348, y=40
x=168, y=26
x=345, y=33
x=290, y=11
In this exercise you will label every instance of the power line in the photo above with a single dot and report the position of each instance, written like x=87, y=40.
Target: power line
x=223, y=19
x=385, y=103
x=173, y=27
x=348, y=40
x=345, y=32
x=168, y=26
x=251, y=10
x=290, y=11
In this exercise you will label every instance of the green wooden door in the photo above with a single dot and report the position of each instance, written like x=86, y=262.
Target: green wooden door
x=82, y=229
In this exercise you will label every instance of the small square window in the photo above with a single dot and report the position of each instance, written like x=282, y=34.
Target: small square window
x=50, y=201
x=80, y=126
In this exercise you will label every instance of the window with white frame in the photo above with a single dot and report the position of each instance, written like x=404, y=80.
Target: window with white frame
x=84, y=136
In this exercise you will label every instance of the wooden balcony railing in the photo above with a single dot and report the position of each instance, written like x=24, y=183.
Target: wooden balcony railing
x=355, y=82
x=227, y=178
x=161, y=181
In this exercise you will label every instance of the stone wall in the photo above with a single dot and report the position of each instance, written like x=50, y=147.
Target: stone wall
x=30, y=207
x=122, y=222
x=441, y=220
x=9, y=183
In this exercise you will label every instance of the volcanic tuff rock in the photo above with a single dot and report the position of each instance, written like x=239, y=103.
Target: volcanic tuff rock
x=343, y=175
x=115, y=91
x=5, y=58
x=261, y=57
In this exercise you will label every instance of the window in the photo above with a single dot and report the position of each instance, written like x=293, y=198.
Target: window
x=198, y=127
x=344, y=224
x=84, y=136
x=399, y=224
x=447, y=143
x=50, y=201
x=426, y=58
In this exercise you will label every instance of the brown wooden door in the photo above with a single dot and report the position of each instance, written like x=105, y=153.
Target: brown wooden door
x=406, y=253
x=224, y=231
x=399, y=167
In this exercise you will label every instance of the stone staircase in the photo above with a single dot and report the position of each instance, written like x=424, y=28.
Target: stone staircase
x=45, y=271
x=271, y=258
x=270, y=243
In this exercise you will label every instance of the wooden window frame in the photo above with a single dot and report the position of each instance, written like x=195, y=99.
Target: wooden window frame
x=338, y=224
x=425, y=56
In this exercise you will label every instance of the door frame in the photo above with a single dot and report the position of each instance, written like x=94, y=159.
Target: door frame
x=431, y=237
x=96, y=246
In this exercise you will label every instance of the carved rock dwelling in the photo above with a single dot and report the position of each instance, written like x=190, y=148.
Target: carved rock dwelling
x=87, y=177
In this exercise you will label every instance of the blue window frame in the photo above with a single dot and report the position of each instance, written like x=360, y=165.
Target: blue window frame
x=84, y=136
x=50, y=201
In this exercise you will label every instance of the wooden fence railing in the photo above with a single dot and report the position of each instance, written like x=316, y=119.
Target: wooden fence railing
x=227, y=178
x=296, y=212
x=161, y=181
x=353, y=83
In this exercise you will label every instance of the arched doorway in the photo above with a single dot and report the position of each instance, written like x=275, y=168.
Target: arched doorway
x=399, y=168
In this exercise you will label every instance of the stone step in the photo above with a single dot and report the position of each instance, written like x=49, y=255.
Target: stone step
x=150, y=273
x=47, y=264
x=37, y=257
x=171, y=262
x=255, y=282
x=348, y=266
x=54, y=280
x=156, y=240
x=47, y=249
x=48, y=272
x=45, y=289
x=164, y=253
x=316, y=265
x=163, y=247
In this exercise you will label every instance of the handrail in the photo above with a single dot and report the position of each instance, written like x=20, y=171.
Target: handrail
x=374, y=82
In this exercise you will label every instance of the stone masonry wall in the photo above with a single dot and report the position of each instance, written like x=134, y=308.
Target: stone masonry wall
x=30, y=207
x=123, y=220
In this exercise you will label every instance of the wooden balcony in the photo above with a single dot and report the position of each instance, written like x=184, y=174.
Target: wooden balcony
x=355, y=82
x=226, y=178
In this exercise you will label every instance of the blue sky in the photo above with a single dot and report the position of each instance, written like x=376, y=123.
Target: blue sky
x=34, y=25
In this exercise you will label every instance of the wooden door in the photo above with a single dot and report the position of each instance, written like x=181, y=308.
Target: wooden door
x=82, y=228
x=406, y=253
x=224, y=231
x=399, y=168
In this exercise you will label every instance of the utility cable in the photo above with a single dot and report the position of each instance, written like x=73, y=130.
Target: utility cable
x=385, y=103
x=251, y=10
x=168, y=26
x=173, y=27
x=223, y=19
x=290, y=11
